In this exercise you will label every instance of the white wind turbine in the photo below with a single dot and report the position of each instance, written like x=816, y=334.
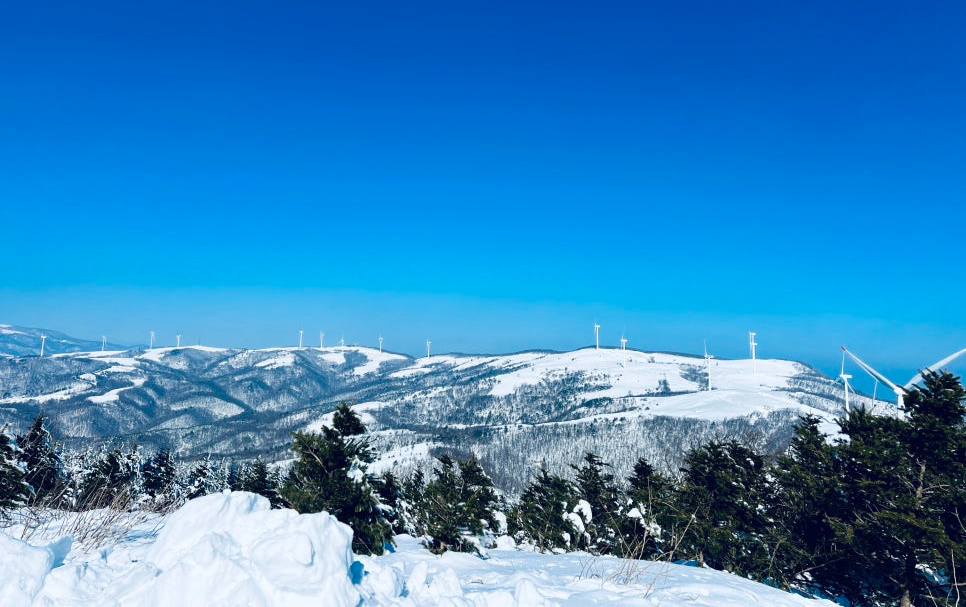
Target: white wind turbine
x=321, y=340
x=934, y=367
x=300, y=339
x=623, y=343
x=596, y=336
x=900, y=392
x=707, y=363
x=43, y=338
x=151, y=345
x=752, y=344
x=103, y=342
x=178, y=337
x=845, y=377
x=380, y=344
x=342, y=341
x=428, y=344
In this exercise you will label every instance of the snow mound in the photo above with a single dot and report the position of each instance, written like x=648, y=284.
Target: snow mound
x=222, y=549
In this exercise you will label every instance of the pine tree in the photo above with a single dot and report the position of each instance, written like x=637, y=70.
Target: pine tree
x=330, y=475
x=14, y=490
x=112, y=482
x=721, y=505
x=648, y=498
x=599, y=489
x=541, y=516
x=904, y=482
x=808, y=492
x=411, y=508
x=460, y=505
x=43, y=467
x=259, y=479
x=159, y=479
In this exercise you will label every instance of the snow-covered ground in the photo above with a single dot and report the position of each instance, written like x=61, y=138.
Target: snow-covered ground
x=231, y=549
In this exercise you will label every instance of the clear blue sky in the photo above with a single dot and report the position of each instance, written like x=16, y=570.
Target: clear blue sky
x=492, y=176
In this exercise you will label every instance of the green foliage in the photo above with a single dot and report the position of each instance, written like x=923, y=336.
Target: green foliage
x=14, y=489
x=459, y=505
x=259, y=479
x=599, y=489
x=541, y=514
x=111, y=482
x=159, y=478
x=330, y=475
x=41, y=462
x=719, y=503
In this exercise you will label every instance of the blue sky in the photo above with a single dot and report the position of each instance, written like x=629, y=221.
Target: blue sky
x=492, y=176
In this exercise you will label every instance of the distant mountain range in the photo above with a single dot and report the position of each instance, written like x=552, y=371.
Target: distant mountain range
x=512, y=411
x=25, y=341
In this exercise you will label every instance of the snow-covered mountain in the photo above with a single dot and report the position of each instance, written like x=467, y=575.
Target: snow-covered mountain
x=513, y=411
x=25, y=341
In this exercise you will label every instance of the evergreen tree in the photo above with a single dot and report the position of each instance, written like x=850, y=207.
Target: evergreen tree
x=541, y=514
x=14, y=490
x=648, y=499
x=330, y=474
x=411, y=509
x=390, y=495
x=42, y=463
x=259, y=479
x=460, y=505
x=809, y=492
x=720, y=505
x=599, y=489
x=903, y=485
x=159, y=478
x=112, y=480
x=203, y=479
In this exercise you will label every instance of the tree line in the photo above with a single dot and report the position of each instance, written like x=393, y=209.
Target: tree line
x=872, y=517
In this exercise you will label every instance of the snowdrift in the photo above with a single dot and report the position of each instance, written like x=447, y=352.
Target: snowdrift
x=232, y=549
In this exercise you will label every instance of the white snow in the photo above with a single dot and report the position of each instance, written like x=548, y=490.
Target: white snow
x=112, y=395
x=231, y=549
x=284, y=359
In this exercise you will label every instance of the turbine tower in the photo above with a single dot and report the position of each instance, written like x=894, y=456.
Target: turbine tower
x=623, y=343
x=43, y=338
x=179, y=340
x=300, y=339
x=151, y=345
x=342, y=341
x=380, y=344
x=707, y=362
x=751, y=344
x=321, y=340
x=428, y=344
x=596, y=336
x=103, y=342
x=845, y=382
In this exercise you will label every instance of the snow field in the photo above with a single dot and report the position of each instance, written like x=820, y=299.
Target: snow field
x=232, y=549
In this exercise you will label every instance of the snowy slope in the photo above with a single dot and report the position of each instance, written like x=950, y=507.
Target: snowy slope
x=231, y=549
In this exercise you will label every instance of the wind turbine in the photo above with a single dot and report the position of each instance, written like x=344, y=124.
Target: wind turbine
x=707, y=362
x=151, y=345
x=934, y=367
x=596, y=336
x=751, y=344
x=179, y=340
x=43, y=338
x=845, y=382
x=300, y=339
x=900, y=392
x=321, y=340
x=103, y=342
x=342, y=341
x=380, y=344
x=428, y=344
x=623, y=343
